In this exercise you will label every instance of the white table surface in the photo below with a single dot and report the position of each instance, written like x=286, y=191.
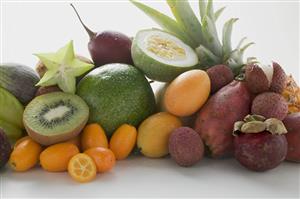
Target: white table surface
x=28, y=28
x=143, y=177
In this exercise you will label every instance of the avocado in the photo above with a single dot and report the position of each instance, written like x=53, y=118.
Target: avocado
x=5, y=148
x=11, y=114
x=19, y=80
x=117, y=94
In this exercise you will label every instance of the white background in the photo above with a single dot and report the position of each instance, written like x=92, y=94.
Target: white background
x=28, y=28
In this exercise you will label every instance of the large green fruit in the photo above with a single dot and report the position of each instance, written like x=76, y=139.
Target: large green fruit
x=5, y=148
x=11, y=114
x=117, y=94
x=19, y=80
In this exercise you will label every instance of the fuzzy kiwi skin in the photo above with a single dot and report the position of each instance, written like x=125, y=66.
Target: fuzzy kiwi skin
x=270, y=105
x=185, y=146
x=49, y=140
x=279, y=79
x=219, y=75
x=256, y=80
x=47, y=89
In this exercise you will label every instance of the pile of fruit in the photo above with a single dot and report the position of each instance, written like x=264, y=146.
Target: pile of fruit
x=81, y=116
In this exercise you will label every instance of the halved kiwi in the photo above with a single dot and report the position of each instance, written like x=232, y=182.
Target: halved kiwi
x=55, y=117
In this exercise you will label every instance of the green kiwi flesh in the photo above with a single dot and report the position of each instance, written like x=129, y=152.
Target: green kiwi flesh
x=55, y=117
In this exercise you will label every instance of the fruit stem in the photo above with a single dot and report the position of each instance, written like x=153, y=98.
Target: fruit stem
x=89, y=31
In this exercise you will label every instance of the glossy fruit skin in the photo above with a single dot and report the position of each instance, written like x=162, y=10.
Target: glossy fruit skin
x=292, y=124
x=194, y=86
x=20, y=80
x=214, y=122
x=104, y=158
x=92, y=136
x=185, y=146
x=123, y=141
x=55, y=158
x=5, y=149
x=117, y=94
x=110, y=47
x=76, y=141
x=25, y=155
x=21, y=140
x=154, y=132
x=88, y=165
x=260, y=151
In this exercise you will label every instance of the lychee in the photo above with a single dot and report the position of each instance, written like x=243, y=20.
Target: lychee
x=219, y=75
x=279, y=79
x=270, y=105
x=258, y=78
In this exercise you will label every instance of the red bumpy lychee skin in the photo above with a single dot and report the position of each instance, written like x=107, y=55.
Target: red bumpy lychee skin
x=270, y=105
x=256, y=80
x=185, y=146
x=292, y=124
x=219, y=75
x=260, y=151
x=279, y=79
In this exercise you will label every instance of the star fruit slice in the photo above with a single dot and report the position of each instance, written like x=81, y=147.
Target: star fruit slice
x=63, y=68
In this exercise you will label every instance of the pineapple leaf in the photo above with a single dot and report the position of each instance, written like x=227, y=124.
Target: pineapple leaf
x=205, y=55
x=247, y=46
x=218, y=13
x=211, y=35
x=235, y=61
x=202, y=8
x=187, y=19
x=164, y=21
x=235, y=65
x=227, y=30
x=210, y=10
x=238, y=53
x=241, y=42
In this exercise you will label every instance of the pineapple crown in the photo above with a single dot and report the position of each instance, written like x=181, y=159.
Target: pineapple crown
x=201, y=35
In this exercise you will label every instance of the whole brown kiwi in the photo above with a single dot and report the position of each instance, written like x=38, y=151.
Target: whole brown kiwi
x=47, y=89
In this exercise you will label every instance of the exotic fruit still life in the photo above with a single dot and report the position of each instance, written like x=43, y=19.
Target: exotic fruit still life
x=82, y=116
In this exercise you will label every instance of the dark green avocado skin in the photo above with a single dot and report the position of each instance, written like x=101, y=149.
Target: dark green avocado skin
x=117, y=94
x=5, y=148
x=19, y=80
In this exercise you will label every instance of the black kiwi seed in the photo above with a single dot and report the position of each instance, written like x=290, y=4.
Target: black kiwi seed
x=56, y=121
